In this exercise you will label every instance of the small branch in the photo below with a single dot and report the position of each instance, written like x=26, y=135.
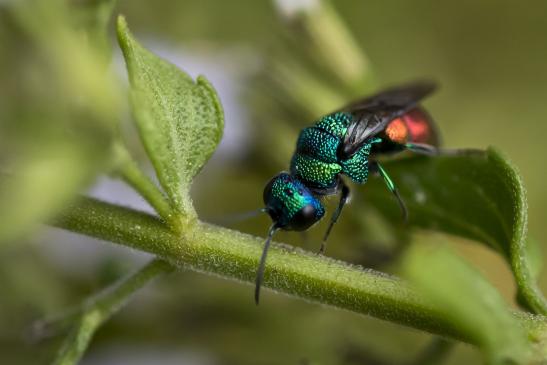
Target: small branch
x=133, y=176
x=138, y=180
x=311, y=94
x=338, y=47
x=234, y=255
x=96, y=310
x=331, y=42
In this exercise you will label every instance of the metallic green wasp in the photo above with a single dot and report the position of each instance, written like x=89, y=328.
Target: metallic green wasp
x=344, y=143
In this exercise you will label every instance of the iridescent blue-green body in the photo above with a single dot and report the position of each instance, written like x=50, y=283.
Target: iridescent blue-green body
x=292, y=200
x=341, y=144
x=316, y=161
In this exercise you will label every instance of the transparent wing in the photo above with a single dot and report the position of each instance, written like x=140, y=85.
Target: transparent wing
x=372, y=114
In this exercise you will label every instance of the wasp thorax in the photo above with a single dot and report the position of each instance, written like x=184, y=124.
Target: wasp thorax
x=290, y=204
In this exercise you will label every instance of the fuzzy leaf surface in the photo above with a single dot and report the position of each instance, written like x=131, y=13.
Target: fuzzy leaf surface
x=180, y=120
x=478, y=195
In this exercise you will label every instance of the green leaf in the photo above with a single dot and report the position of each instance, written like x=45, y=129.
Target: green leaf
x=475, y=194
x=180, y=121
x=469, y=302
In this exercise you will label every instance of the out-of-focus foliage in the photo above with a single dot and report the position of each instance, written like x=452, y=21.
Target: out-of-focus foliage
x=58, y=111
x=469, y=301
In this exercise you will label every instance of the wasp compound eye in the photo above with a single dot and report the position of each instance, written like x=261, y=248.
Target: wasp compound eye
x=304, y=218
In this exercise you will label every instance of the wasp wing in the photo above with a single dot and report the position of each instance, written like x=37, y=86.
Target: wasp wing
x=371, y=115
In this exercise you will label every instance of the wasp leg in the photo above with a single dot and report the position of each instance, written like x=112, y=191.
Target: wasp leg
x=422, y=148
x=343, y=200
x=391, y=186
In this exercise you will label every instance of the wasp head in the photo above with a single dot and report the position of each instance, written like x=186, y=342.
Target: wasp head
x=290, y=204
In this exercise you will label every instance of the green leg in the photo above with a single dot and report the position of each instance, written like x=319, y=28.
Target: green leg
x=422, y=148
x=391, y=186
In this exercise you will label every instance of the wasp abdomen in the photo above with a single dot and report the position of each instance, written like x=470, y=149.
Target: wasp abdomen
x=413, y=126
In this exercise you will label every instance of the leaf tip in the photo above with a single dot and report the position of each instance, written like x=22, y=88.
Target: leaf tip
x=123, y=33
x=121, y=24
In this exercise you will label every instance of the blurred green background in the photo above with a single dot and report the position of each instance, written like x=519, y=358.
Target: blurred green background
x=489, y=58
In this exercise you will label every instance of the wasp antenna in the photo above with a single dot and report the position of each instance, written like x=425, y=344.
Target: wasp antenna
x=262, y=264
x=239, y=217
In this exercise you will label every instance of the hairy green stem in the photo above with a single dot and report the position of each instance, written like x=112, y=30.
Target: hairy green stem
x=289, y=270
x=132, y=174
x=96, y=310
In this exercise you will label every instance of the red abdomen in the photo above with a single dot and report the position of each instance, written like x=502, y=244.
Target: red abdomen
x=414, y=126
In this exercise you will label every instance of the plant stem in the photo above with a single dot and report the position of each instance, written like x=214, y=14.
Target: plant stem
x=96, y=310
x=289, y=270
x=133, y=175
x=136, y=178
x=331, y=42
x=337, y=46
x=310, y=93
